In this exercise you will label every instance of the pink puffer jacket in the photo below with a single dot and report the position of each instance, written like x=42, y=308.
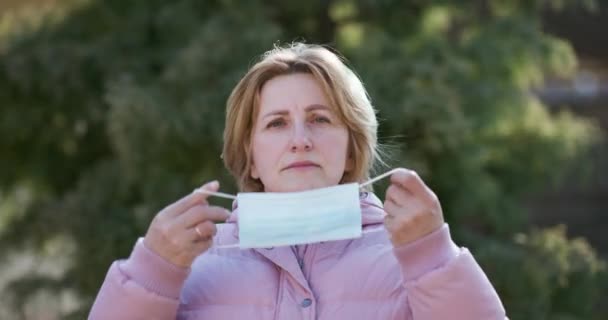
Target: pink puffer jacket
x=364, y=278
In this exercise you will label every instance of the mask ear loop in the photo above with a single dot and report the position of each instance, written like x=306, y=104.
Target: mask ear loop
x=220, y=195
x=215, y=194
x=229, y=196
x=380, y=177
x=368, y=182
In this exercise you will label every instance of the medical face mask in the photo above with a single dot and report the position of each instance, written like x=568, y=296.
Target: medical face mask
x=269, y=219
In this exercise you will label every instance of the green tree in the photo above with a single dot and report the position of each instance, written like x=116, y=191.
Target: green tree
x=112, y=109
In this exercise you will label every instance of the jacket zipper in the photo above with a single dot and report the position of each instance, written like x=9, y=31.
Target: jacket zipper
x=279, y=293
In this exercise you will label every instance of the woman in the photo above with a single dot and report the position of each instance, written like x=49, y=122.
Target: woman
x=300, y=120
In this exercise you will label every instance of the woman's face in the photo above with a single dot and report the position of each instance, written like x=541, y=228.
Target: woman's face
x=298, y=141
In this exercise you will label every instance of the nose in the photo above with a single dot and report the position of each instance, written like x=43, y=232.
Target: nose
x=300, y=139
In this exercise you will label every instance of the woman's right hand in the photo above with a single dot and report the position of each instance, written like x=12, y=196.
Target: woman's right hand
x=185, y=229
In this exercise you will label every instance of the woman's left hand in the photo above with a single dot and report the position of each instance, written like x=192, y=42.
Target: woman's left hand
x=412, y=209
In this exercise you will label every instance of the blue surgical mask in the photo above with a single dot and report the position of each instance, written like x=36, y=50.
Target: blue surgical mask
x=283, y=219
x=269, y=219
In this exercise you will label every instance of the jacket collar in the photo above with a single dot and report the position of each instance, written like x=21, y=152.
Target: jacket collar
x=372, y=214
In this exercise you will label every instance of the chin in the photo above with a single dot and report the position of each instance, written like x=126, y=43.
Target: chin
x=301, y=186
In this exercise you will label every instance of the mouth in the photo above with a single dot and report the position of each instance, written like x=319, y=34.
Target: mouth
x=302, y=165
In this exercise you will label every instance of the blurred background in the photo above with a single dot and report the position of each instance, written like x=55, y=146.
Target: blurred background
x=112, y=109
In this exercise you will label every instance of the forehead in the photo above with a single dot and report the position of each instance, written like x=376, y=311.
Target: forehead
x=291, y=92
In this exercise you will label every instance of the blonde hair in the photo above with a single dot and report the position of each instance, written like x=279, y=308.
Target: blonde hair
x=342, y=87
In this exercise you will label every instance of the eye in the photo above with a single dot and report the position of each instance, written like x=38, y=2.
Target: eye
x=276, y=123
x=321, y=119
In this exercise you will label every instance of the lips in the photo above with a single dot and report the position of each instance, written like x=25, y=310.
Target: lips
x=301, y=164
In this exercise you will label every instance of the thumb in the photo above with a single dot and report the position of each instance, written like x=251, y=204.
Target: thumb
x=210, y=186
x=194, y=198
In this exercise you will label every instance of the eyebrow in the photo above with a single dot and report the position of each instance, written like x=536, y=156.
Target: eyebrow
x=309, y=108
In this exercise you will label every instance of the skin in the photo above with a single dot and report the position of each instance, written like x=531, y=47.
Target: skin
x=172, y=233
x=295, y=125
x=412, y=209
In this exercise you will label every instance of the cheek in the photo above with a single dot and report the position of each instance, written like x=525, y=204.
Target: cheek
x=343, y=143
x=265, y=151
x=336, y=145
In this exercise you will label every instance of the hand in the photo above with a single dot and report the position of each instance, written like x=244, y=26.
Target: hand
x=413, y=210
x=185, y=229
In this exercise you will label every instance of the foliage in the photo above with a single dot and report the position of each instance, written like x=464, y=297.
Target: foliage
x=112, y=109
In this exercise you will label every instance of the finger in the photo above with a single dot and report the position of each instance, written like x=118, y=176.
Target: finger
x=201, y=246
x=391, y=209
x=200, y=213
x=203, y=231
x=391, y=223
x=399, y=196
x=409, y=180
x=194, y=198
